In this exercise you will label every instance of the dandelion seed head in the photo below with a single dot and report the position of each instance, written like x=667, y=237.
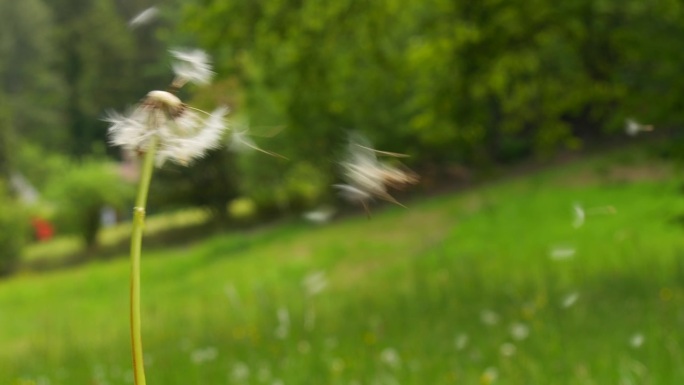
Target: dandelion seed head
x=461, y=341
x=489, y=375
x=390, y=357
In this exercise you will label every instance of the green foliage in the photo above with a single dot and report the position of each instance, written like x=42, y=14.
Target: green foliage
x=80, y=194
x=449, y=82
x=14, y=230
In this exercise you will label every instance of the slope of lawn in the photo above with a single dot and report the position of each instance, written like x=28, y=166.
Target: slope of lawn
x=503, y=284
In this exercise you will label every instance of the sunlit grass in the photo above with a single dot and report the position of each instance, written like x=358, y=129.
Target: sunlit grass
x=455, y=289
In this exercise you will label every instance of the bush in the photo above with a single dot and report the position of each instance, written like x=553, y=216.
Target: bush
x=82, y=192
x=14, y=230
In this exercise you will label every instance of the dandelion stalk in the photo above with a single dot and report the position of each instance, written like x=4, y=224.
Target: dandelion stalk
x=136, y=249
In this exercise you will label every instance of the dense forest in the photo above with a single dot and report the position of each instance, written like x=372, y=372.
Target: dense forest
x=453, y=84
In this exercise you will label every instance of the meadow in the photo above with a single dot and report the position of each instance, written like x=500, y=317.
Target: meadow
x=572, y=275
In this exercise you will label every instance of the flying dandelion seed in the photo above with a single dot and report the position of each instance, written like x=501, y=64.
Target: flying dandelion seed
x=636, y=340
x=191, y=66
x=320, y=216
x=507, y=349
x=144, y=17
x=489, y=317
x=390, y=357
x=570, y=300
x=461, y=341
x=579, y=216
x=519, y=331
x=367, y=177
x=202, y=355
x=560, y=253
x=314, y=283
x=633, y=128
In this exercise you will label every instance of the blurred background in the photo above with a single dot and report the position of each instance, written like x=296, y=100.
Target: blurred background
x=543, y=243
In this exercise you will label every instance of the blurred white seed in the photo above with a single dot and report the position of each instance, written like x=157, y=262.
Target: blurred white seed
x=507, y=349
x=191, y=66
x=390, y=357
x=579, y=215
x=202, y=355
x=519, y=331
x=633, y=128
x=315, y=282
x=461, y=341
x=144, y=17
x=636, y=340
x=489, y=317
x=489, y=375
x=319, y=216
x=559, y=253
x=570, y=299
x=240, y=371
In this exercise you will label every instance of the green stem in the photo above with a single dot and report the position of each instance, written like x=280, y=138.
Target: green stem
x=136, y=247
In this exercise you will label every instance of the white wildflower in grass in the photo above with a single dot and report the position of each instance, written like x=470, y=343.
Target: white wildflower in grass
x=367, y=177
x=570, y=299
x=489, y=317
x=144, y=17
x=191, y=66
x=636, y=340
x=633, y=128
x=519, y=331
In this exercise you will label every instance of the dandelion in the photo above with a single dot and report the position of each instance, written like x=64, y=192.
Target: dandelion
x=461, y=341
x=390, y=357
x=240, y=372
x=367, y=177
x=162, y=127
x=633, y=128
x=489, y=375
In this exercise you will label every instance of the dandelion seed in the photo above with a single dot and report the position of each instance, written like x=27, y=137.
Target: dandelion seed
x=579, y=216
x=390, y=357
x=507, y=349
x=144, y=17
x=489, y=375
x=461, y=341
x=633, y=128
x=240, y=141
x=636, y=340
x=367, y=177
x=519, y=331
x=489, y=317
x=315, y=283
x=191, y=66
x=240, y=371
x=570, y=300
x=320, y=216
x=560, y=253
x=202, y=355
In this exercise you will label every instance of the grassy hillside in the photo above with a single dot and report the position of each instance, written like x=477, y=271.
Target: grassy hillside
x=504, y=284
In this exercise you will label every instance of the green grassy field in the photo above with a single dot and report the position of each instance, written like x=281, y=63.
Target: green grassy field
x=497, y=285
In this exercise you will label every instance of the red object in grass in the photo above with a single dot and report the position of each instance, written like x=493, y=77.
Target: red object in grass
x=42, y=229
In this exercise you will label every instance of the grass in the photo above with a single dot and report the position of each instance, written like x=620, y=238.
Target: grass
x=458, y=289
